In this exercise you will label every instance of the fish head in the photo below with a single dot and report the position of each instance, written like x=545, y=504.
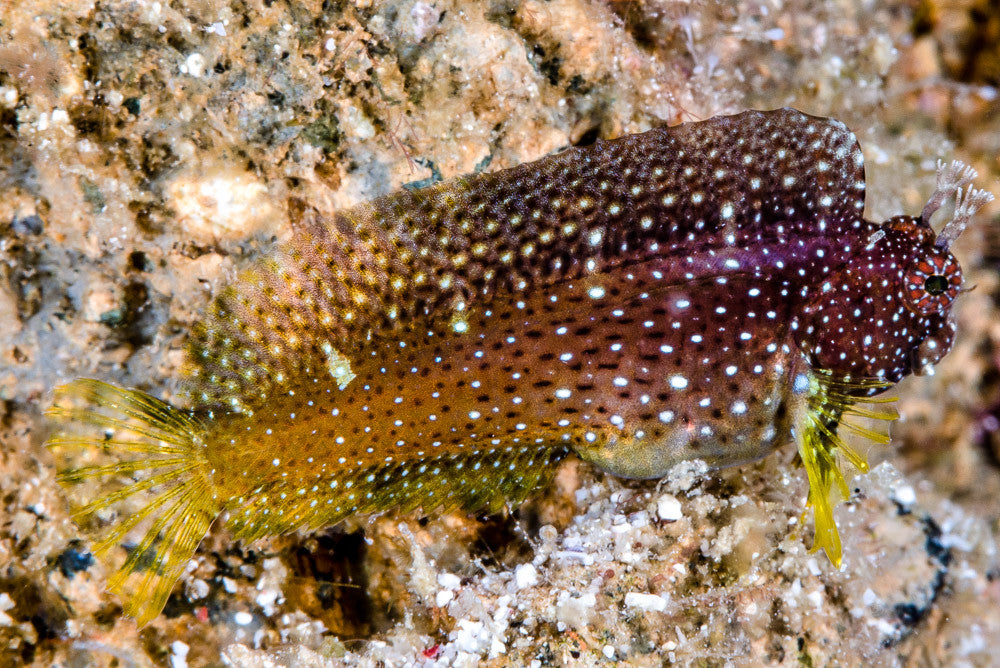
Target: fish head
x=886, y=312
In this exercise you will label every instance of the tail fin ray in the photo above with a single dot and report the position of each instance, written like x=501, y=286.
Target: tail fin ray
x=155, y=449
x=176, y=534
x=122, y=529
x=112, y=498
x=136, y=447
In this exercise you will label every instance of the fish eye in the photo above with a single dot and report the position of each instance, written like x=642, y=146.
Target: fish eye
x=932, y=283
x=936, y=284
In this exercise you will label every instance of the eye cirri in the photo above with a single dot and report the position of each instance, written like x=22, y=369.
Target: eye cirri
x=707, y=291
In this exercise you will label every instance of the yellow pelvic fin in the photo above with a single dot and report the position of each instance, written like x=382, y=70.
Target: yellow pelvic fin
x=145, y=446
x=828, y=402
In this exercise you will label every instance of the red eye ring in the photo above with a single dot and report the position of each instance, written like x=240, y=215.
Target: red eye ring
x=932, y=284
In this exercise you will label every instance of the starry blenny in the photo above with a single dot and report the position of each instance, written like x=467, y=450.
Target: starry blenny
x=707, y=291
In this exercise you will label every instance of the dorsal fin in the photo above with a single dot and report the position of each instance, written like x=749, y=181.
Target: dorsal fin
x=285, y=316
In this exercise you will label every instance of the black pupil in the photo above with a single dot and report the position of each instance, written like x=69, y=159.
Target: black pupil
x=936, y=285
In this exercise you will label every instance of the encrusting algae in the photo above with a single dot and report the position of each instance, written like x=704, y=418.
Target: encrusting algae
x=709, y=291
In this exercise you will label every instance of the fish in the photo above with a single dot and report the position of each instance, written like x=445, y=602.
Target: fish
x=708, y=291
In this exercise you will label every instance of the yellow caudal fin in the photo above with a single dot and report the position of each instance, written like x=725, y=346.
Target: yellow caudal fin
x=828, y=403
x=134, y=444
